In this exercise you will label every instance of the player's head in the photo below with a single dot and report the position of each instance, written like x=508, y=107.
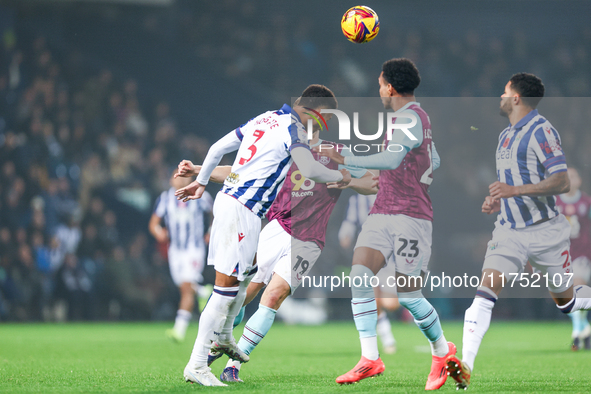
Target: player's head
x=179, y=182
x=399, y=77
x=522, y=89
x=315, y=97
x=575, y=179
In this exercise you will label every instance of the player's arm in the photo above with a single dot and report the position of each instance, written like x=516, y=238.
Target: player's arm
x=556, y=183
x=308, y=166
x=546, y=145
x=229, y=143
x=218, y=175
x=159, y=232
x=400, y=144
x=315, y=171
x=364, y=185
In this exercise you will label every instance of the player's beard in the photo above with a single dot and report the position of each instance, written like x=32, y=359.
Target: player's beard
x=387, y=101
x=506, y=108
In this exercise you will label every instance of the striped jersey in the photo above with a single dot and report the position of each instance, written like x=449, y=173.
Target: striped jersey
x=184, y=221
x=528, y=153
x=264, y=158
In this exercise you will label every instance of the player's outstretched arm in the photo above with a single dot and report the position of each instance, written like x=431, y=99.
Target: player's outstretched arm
x=315, y=171
x=229, y=143
x=364, y=185
x=218, y=175
x=556, y=183
x=386, y=160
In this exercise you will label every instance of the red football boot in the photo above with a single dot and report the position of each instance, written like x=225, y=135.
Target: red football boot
x=438, y=374
x=364, y=369
x=459, y=371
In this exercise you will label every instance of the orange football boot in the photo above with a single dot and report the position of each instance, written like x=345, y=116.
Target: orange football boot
x=365, y=368
x=438, y=374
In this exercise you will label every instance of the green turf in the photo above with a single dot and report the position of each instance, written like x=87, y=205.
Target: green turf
x=515, y=357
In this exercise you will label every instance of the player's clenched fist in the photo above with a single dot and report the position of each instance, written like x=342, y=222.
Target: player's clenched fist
x=500, y=190
x=192, y=192
x=186, y=169
x=490, y=205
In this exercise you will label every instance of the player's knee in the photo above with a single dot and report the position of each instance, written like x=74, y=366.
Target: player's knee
x=275, y=294
x=390, y=303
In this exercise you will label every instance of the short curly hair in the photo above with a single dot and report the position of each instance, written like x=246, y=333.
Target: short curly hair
x=529, y=87
x=402, y=74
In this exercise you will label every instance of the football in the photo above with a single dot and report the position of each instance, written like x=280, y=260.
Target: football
x=360, y=24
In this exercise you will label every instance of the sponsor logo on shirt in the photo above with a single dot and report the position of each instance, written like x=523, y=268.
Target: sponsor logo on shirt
x=233, y=178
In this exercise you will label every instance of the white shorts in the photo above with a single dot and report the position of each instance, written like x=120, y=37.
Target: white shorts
x=546, y=247
x=186, y=266
x=234, y=237
x=407, y=240
x=280, y=253
x=582, y=268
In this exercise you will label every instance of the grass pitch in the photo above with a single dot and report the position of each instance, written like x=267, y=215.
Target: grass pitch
x=514, y=357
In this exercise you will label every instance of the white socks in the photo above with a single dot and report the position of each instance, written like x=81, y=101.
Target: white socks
x=369, y=347
x=476, y=323
x=211, y=323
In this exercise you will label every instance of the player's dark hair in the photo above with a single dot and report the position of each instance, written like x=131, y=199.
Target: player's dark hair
x=402, y=74
x=529, y=87
x=317, y=96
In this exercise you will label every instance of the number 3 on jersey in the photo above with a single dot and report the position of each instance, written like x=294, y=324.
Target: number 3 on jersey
x=253, y=149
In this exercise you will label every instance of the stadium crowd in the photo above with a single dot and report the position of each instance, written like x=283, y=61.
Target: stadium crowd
x=76, y=154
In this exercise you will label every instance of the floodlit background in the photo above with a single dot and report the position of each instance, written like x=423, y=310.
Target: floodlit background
x=99, y=100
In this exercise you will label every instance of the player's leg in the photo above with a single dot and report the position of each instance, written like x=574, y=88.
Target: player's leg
x=211, y=324
x=366, y=263
x=251, y=292
x=581, y=332
x=550, y=253
x=225, y=249
x=259, y=324
x=289, y=270
x=506, y=254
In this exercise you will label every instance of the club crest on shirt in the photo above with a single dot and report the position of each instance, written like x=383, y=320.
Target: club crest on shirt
x=493, y=245
x=324, y=160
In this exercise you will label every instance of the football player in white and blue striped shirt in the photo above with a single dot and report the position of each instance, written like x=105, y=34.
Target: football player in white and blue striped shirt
x=266, y=146
x=531, y=170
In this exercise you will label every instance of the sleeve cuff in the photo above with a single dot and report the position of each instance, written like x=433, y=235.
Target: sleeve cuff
x=555, y=164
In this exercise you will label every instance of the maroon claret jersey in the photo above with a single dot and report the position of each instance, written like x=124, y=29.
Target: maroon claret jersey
x=404, y=190
x=302, y=207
